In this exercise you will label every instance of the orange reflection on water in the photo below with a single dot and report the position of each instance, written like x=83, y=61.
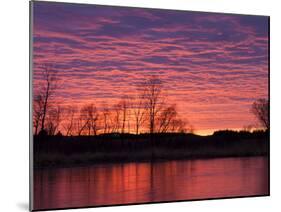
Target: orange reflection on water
x=150, y=182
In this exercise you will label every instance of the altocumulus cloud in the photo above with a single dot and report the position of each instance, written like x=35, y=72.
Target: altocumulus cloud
x=211, y=64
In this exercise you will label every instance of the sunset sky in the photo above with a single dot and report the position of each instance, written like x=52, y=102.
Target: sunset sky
x=213, y=66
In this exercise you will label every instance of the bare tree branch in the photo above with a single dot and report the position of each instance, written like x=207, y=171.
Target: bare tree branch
x=47, y=90
x=153, y=100
x=37, y=112
x=138, y=112
x=69, y=118
x=260, y=110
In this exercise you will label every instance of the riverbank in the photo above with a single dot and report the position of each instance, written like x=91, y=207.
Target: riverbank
x=60, y=151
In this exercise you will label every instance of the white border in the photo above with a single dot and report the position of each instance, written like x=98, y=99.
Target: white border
x=14, y=104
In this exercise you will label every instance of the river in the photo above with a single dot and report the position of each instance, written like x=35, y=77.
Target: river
x=125, y=183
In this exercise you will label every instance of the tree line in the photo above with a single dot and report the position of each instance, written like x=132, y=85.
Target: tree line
x=145, y=112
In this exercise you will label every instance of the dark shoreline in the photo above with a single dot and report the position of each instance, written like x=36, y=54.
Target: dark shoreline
x=87, y=164
x=60, y=151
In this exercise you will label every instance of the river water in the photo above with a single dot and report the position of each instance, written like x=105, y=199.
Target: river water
x=125, y=183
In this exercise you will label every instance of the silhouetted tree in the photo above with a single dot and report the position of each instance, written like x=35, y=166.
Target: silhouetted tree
x=260, y=109
x=47, y=89
x=82, y=120
x=128, y=122
x=116, y=116
x=153, y=100
x=88, y=120
x=37, y=112
x=106, y=120
x=138, y=112
x=93, y=115
x=178, y=125
x=79, y=125
x=124, y=111
x=53, y=120
x=167, y=116
x=69, y=118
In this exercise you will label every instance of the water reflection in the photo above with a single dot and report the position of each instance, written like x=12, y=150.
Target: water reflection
x=146, y=182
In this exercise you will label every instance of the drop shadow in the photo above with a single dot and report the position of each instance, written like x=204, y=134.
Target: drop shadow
x=23, y=206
